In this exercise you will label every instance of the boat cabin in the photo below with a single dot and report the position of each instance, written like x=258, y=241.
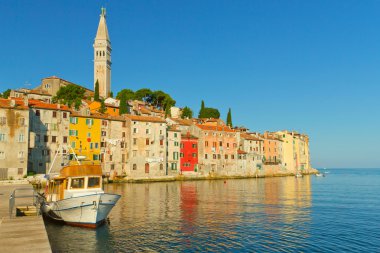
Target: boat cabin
x=75, y=181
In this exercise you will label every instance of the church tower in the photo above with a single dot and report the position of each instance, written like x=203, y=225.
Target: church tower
x=102, y=57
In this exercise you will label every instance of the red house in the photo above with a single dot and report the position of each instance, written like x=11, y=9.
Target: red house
x=189, y=153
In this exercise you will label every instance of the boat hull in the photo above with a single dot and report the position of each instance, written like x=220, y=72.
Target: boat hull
x=86, y=211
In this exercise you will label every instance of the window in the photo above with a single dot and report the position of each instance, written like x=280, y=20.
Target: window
x=93, y=182
x=228, y=145
x=46, y=138
x=194, y=145
x=220, y=143
x=232, y=157
x=95, y=157
x=20, y=154
x=214, y=156
x=37, y=113
x=3, y=120
x=181, y=145
x=21, y=121
x=2, y=137
x=54, y=139
x=47, y=126
x=64, y=139
x=2, y=155
x=206, y=143
x=73, y=144
x=89, y=122
x=194, y=154
x=173, y=166
x=73, y=120
x=104, y=133
x=176, y=143
x=134, y=166
x=175, y=135
x=73, y=132
x=134, y=141
x=147, y=131
x=147, y=141
x=65, y=115
x=54, y=114
x=147, y=168
x=181, y=154
x=124, y=124
x=206, y=156
x=161, y=142
x=161, y=166
x=123, y=134
x=77, y=183
x=88, y=135
x=21, y=137
x=226, y=157
x=175, y=155
x=96, y=145
x=135, y=130
x=91, y=145
x=111, y=158
x=214, y=144
x=104, y=122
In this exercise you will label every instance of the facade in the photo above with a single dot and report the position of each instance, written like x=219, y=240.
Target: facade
x=84, y=138
x=217, y=149
x=115, y=137
x=173, y=153
x=102, y=57
x=189, y=153
x=148, y=147
x=49, y=133
x=252, y=145
x=14, y=138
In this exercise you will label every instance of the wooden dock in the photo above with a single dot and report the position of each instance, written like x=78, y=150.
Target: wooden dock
x=20, y=234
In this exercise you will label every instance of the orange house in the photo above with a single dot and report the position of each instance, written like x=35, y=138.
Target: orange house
x=271, y=148
x=111, y=110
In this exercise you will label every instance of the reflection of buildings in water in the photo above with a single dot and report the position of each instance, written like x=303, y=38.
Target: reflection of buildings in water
x=188, y=207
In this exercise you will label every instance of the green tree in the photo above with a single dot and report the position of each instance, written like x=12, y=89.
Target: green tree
x=143, y=94
x=130, y=94
x=5, y=94
x=103, y=107
x=96, y=95
x=211, y=113
x=187, y=113
x=123, y=108
x=201, y=111
x=69, y=95
x=229, y=118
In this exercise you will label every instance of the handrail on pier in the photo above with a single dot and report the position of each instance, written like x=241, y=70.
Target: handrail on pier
x=14, y=196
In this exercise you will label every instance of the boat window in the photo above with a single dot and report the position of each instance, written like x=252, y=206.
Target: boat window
x=93, y=182
x=77, y=183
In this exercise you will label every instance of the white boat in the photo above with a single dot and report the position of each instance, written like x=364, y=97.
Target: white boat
x=298, y=174
x=76, y=197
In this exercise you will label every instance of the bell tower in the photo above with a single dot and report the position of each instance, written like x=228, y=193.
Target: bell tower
x=102, y=57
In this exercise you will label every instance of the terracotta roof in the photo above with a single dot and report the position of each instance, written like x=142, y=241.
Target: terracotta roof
x=249, y=137
x=145, y=118
x=98, y=116
x=145, y=111
x=241, y=152
x=39, y=104
x=6, y=103
x=184, y=122
x=216, y=128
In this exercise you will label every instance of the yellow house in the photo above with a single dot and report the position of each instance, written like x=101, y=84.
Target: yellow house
x=84, y=135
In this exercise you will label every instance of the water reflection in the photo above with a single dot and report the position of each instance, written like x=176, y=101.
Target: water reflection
x=249, y=214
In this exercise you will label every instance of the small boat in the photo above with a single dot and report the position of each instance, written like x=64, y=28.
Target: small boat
x=76, y=197
x=298, y=174
x=320, y=174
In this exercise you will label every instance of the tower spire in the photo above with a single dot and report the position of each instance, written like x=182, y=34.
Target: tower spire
x=102, y=57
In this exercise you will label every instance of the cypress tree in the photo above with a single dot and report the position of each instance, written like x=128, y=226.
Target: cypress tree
x=229, y=118
x=202, y=110
x=123, y=108
x=103, y=107
x=96, y=95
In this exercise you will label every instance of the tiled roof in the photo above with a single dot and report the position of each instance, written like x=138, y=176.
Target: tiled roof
x=173, y=128
x=241, y=152
x=215, y=128
x=184, y=122
x=145, y=118
x=250, y=137
x=6, y=103
x=39, y=104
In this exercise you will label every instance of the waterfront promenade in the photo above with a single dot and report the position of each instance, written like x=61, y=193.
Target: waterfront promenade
x=20, y=234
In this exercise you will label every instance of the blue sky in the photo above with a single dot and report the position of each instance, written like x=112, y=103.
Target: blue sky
x=310, y=66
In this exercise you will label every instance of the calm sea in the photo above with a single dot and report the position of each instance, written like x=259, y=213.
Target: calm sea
x=336, y=213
